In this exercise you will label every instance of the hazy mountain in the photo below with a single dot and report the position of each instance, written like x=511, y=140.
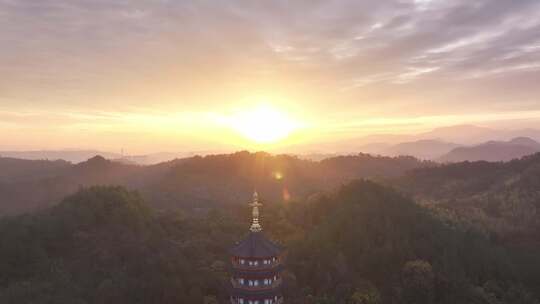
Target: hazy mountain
x=493, y=151
x=160, y=157
x=471, y=134
x=525, y=141
x=374, y=148
x=459, y=134
x=423, y=149
x=18, y=170
x=77, y=156
x=462, y=134
x=74, y=156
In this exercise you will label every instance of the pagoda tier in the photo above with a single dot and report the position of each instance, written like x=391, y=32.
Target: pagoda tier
x=256, y=265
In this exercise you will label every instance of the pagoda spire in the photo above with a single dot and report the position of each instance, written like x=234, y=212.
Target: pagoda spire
x=256, y=266
x=255, y=225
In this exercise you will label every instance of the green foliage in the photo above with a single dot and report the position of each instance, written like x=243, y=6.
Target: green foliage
x=418, y=281
x=499, y=199
x=366, y=232
x=363, y=244
x=103, y=245
x=365, y=293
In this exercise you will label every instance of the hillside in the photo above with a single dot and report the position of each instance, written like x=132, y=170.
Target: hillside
x=500, y=197
x=199, y=182
x=230, y=178
x=104, y=245
x=19, y=170
x=20, y=195
x=368, y=242
x=493, y=151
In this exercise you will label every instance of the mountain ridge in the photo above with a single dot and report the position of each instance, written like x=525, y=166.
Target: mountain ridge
x=493, y=151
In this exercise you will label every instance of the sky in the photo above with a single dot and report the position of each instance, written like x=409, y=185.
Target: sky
x=163, y=75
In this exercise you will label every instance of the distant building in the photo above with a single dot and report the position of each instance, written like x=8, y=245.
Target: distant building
x=256, y=266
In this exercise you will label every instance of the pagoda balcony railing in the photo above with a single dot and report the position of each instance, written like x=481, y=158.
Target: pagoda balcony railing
x=274, y=284
x=260, y=266
x=279, y=301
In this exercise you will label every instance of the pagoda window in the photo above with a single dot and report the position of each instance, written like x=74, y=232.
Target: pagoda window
x=256, y=283
x=256, y=263
x=240, y=301
x=242, y=261
x=241, y=281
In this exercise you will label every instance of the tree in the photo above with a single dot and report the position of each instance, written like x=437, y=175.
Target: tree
x=418, y=282
x=366, y=293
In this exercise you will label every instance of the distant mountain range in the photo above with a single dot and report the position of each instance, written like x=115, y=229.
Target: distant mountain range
x=447, y=144
x=77, y=156
x=73, y=156
x=493, y=151
x=462, y=135
x=422, y=149
x=441, y=151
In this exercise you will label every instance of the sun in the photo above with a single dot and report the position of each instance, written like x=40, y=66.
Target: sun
x=263, y=124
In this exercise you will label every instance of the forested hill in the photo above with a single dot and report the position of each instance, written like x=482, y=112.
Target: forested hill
x=191, y=182
x=501, y=197
x=361, y=244
x=105, y=245
x=367, y=244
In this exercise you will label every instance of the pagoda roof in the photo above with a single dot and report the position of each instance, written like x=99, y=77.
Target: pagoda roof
x=255, y=245
x=258, y=272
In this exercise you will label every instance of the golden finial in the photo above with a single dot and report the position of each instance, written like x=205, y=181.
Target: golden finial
x=255, y=226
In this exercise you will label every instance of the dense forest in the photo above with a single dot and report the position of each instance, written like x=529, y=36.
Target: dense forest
x=361, y=243
x=500, y=199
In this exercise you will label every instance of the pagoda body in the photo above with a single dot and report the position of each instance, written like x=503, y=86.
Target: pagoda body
x=256, y=267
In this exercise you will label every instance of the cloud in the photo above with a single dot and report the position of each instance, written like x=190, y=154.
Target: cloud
x=376, y=57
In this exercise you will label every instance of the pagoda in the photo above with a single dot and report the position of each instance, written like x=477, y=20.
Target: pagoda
x=256, y=266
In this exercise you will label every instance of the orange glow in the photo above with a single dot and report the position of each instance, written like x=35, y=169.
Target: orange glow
x=263, y=124
x=286, y=194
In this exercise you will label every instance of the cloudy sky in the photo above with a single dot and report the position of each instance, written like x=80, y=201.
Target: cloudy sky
x=168, y=75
